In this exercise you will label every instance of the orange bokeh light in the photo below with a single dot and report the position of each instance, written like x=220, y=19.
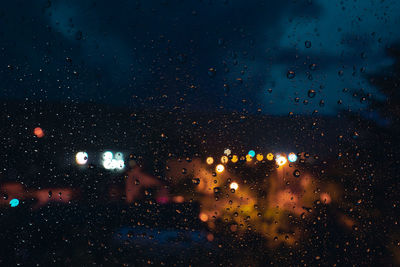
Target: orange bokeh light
x=203, y=217
x=38, y=132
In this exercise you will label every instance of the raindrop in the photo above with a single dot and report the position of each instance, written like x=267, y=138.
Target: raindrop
x=290, y=74
x=296, y=173
x=226, y=87
x=311, y=93
x=196, y=181
x=307, y=44
x=312, y=66
x=211, y=72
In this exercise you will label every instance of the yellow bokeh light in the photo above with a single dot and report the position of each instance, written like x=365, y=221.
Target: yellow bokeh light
x=270, y=156
x=210, y=160
x=235, y=159
x=280, y=160
x=248, y=158
x=220, y=168
x=259, y=157
x=224, y=159
x=234, y=186
x=203, y=217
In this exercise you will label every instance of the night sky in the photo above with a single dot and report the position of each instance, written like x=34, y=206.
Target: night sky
x=198, y=55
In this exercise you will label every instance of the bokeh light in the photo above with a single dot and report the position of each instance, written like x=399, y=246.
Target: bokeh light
x=210, y=160
x=259, y=157
x=234, y=186
x=235, y=158
x=252, y=153
x=281, y=160
x=220, y=168
x=292, y=157
x=248, y=157
x=119, y=156
x=38, y=132
x=14, y=202
x=224, y=159
x=108, y=155
x=203, y=217
x=270, y=156
x=111, y=162
x=81, y=158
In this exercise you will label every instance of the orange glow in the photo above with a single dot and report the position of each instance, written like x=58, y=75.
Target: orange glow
x=325, y=198
x=210, y=160
x=203, y=217
x=210, y=237
x=179, y=199
x=38, y=132
x=259, y=157
x=224, y=159
x=270, y=156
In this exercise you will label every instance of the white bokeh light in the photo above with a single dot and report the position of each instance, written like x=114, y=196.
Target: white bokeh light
x=81, y=158
x=292, y=157
x=113, y=161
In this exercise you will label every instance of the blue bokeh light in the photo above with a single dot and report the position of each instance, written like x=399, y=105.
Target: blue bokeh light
x=252, y=153
x=292, y=157
x=14, y=202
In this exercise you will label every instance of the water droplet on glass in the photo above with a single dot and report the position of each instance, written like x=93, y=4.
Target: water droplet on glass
x=290, y=74
x=296, y=173
x=211, y=72
x=307, y=44
x=311, y=93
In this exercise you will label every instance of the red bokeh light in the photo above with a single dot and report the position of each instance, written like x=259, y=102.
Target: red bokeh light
x=38, y=132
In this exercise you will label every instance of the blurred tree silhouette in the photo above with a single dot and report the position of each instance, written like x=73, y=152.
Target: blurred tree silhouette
x=387, y=81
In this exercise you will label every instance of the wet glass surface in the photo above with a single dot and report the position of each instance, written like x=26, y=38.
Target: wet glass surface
x=191, y=133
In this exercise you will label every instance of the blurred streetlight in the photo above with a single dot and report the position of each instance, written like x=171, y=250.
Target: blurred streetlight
x=81, y=158
x=281, y=160
x=220, y=168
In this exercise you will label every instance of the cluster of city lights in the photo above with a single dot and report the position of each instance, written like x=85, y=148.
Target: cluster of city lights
x=279, y=159
x=109, y=160
x=113, y=162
